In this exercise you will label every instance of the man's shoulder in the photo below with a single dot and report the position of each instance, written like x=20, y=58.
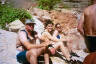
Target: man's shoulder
x=89, y=8
x=22, y=32
x=87, y=11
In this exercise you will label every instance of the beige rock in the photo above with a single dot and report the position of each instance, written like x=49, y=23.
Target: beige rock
x=8, y=47
x=67, y=20
x=41, y=14
x=15, y=25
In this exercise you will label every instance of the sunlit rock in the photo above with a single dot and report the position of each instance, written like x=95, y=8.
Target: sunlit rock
x=15, y=25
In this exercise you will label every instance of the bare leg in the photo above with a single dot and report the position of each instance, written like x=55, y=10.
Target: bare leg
x=63, y=49
x=46, y=57
x=33, y=59
x=71, y=48
x=69, y=45
x=65, y=52
x=33, y=54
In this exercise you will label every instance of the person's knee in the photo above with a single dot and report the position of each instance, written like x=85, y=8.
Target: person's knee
x=61, y=43
x=32, y=53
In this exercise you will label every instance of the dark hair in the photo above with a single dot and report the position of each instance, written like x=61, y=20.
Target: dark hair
x=48, y=22
x=56, y=25
x=33, y=33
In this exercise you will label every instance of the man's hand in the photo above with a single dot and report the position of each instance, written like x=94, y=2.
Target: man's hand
x=36, y=36
x=45, y=44
x=81, y=31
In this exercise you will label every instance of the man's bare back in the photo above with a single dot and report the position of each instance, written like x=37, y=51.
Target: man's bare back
x=90, y=21
x=87, y=27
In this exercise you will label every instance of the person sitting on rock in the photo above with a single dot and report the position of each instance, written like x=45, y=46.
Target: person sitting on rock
x=47, y=37
x=29, y=50
x=59, y=33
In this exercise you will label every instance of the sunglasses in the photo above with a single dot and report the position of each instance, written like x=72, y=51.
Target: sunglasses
x=59, y=27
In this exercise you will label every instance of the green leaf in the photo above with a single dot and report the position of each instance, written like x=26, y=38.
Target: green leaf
x=9, y=14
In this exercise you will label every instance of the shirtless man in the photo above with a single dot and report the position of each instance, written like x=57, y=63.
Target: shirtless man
x=27, y=44
x=56, y=43
x=87, y=27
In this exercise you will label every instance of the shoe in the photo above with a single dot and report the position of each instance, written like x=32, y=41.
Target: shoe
x=69, y=61
x=74, y=54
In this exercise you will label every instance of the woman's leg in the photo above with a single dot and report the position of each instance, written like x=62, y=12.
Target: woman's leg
x=63, y=49
x=46, y=58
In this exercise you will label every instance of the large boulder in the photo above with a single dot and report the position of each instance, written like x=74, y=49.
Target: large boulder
x=41, y=14
x=15, y=25
x=68, y=19
x=65, y=17
x=8, y=47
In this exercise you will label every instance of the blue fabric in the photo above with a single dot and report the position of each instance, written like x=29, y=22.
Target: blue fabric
x=21, y=57
x=91, y=43
x=58, y=36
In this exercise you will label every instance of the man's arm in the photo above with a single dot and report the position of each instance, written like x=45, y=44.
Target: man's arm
x=26, y=43
x=81, y=24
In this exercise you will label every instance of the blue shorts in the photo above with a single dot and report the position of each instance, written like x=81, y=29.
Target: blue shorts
x=21, y=57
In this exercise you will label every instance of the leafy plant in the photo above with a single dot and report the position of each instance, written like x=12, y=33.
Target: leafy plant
x=9, y=14
x=47, y=4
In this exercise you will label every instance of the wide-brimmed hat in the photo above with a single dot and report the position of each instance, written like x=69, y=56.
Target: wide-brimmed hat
x=28, y=21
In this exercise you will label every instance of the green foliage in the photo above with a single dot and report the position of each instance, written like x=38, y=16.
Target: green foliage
x=47, y=4
x=91, y=2
x=9, y=14
x=66, y=6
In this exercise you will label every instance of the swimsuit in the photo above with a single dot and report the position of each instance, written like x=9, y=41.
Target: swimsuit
x=91, y=43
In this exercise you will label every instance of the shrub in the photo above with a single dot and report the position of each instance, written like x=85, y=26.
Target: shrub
x=9, y=14
x=47, y=4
